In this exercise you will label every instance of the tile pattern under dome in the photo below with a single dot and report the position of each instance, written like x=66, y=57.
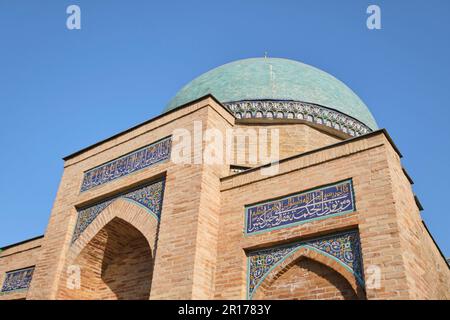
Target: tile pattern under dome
x=342, y=247
x=310, y=205
x=278, y=109
x=17, y=280
x=150, y=197
x=143, y=158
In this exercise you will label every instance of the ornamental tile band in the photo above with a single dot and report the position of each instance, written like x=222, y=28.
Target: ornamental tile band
x=143, y=158
x=17, y=280
x=283, y=109
x=343, y=247
x=315, y=204
x=150, y=197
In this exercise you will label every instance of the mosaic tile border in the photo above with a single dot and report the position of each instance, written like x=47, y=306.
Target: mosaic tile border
x=150, y=197
x=17, y=280
x=145, y=157
x=285, y=109
x=314, y=204
x=344, y=248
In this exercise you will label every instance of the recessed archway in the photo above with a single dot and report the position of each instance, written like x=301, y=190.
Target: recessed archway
x=308, y=275
x=114, y=256
x=116, y=264
x=307, y=279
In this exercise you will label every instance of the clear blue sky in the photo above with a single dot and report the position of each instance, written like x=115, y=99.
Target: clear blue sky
x=63, y=90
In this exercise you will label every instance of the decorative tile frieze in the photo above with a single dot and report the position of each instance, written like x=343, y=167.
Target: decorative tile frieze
x=17, y=280
x=143, y=158
x=283, y=109
x=150, y=197
x=314, y=204
x=342, y=247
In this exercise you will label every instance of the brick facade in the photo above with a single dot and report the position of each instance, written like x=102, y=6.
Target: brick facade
x=18, y=257
x=198, y=248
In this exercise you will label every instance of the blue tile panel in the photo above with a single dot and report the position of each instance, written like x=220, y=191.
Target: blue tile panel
x=342, y=247
x=310, y=205
x=150, y=197
x=17, y=280
x=143, y=158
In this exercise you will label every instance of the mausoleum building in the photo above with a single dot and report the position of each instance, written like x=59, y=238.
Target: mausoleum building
x=305, y=198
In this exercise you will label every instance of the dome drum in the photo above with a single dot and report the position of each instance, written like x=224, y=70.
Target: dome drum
x=280, y=109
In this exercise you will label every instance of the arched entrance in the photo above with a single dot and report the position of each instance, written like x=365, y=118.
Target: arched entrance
x=309, y=279
x=114, y=257
x=309, y=275
x=116, y=264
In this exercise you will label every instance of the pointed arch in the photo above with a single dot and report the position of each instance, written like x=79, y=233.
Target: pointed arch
x=128, y=210
x=115, y=254
x=311, y=253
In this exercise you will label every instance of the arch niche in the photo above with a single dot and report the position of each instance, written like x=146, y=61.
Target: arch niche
x=308, y=275
x=115, y=255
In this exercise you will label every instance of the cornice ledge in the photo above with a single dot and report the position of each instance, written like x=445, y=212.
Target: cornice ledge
x=338, y=150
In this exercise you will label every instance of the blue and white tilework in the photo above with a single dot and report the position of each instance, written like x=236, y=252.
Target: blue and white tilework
x=315, y=204
x=143, y=158
x=150, y=197
x=17, y=280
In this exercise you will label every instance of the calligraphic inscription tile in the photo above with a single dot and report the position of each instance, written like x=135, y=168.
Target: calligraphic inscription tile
x=299, y=208
x=143, y=158
x=342, y=247
x=150, y=197
x=17, y=280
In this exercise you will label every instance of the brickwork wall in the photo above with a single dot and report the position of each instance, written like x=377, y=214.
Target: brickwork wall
x=182, y=245
x=18, y=257
x=427, y=272
x=208, y=217
x=364, y=161
x=294, y=138
x=198, y=248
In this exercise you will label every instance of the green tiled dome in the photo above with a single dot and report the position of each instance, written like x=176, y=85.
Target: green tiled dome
x=275, y=79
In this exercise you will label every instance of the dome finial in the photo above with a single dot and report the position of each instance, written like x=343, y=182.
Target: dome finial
x=265, y=54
